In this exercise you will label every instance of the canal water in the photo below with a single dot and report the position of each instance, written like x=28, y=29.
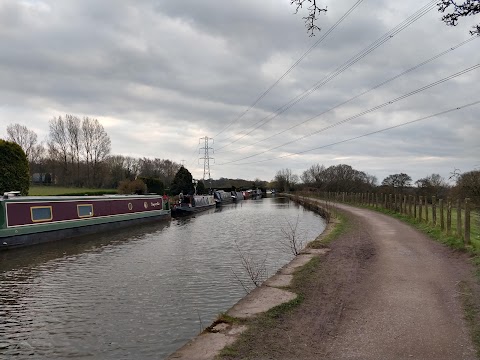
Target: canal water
x=143, y=292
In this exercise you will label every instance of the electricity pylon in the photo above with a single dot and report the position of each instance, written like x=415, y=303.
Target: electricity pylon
x=206, y=155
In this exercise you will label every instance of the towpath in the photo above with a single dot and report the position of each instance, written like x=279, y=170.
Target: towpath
x=385, y=291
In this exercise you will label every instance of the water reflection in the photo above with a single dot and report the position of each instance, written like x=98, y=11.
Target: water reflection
x=139, y=292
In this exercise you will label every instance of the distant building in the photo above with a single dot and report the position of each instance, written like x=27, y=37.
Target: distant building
x=42, y=178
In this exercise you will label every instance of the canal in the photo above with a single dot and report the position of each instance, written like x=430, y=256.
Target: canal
x=143, y=292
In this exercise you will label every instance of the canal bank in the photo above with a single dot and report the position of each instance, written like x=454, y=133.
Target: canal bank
x=275, y=293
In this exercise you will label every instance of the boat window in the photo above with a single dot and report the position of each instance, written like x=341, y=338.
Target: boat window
x=85, y=210
x=41, y=213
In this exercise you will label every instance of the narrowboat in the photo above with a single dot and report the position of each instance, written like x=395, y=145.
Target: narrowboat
x=222, y=197
x=29, y=220
x=237, y=196
x=191, y=204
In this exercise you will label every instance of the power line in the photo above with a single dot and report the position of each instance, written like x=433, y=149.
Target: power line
x=364, y=112
x=353, y=60
x=367, y=134
x=363, y=93
x=292, y=67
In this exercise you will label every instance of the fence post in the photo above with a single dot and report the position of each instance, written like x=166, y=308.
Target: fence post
x=434, y=210
x=449, y=216
x=459, y=218
x=420, y=208
x=466, y=240
x=442, y=219
x=415, y=206
x=426, y=208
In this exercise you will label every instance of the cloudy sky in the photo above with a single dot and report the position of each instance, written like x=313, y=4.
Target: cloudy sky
x=161, y=74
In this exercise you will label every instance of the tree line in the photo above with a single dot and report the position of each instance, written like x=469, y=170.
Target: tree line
x=344, y=178
x=77, y=153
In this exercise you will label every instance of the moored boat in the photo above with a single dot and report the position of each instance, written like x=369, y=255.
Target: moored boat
x=222, y=197
x=191, y=204
x=237, y=196
x=29, y=220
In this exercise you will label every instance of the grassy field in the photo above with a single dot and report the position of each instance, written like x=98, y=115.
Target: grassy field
x=39, y=190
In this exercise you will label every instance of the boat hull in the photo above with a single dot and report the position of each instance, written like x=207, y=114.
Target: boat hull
x=17, y=241
x=26, y=221
x=193, y=204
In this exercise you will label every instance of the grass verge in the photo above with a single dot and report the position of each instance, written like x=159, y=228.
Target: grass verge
x=340, y=225
x=472, y=313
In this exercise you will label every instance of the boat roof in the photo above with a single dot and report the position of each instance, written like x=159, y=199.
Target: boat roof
x=75, y=198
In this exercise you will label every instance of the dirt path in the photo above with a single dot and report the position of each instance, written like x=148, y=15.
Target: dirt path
x=409, y=306
x=385, y=291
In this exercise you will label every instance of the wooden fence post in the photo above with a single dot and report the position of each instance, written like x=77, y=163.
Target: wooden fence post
x=459, y=218
x=420, y=208
x=415, y=206
x=466, y=238
x=434, y=210
x=442, y=219
x=449, y=216
x=426, y=208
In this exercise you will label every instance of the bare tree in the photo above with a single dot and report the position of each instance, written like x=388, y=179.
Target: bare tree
x=74, y=135
x=20, y=134
x=465, y=8
x=292, y=242
x=96, y=146
x=314, y=12
x=58, y=144
x=286, y=180
x=397, y=181
x=255, y=270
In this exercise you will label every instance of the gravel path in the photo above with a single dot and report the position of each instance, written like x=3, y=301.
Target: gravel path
x=409, y=306
x=384, y=291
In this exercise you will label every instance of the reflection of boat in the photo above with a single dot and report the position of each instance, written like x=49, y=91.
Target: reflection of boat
x=29, y=220
x=193, y=203
x=256, y=194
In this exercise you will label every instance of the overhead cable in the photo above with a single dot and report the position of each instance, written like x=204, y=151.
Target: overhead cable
x=364, y=112
x=353, y=60
x=367, y=134
x=361, y=94
x=293, y=66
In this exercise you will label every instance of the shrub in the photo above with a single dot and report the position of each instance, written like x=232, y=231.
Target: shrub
x=154, y=185
x=132, y=187
x=14, y=172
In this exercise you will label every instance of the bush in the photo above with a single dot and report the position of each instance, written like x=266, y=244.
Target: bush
x=14, y=173
x=132, y=187
x=154, y=185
